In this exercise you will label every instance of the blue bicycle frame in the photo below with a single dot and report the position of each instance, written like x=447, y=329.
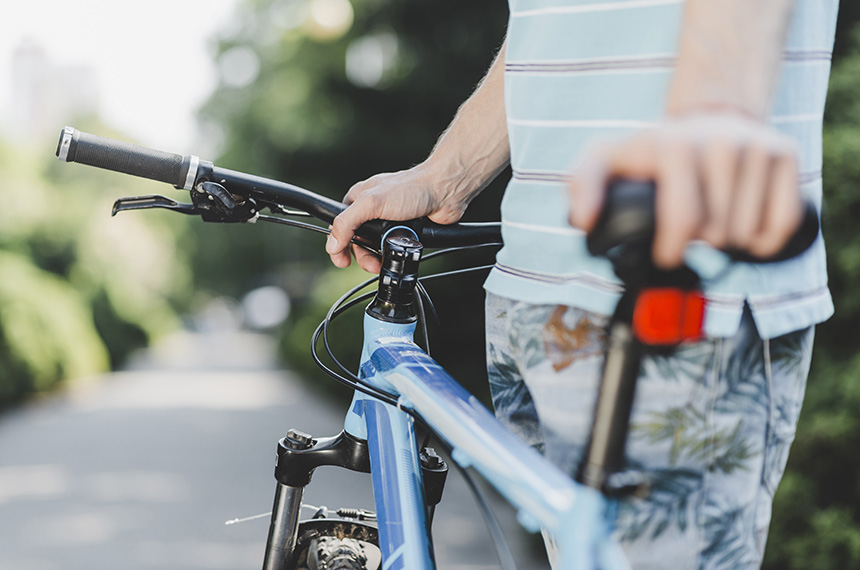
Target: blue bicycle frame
x=380, y=437
x=578, y=517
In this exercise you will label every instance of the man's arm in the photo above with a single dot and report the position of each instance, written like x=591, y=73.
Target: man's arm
x=729, y=56
x=469, y=154
x=723, y=174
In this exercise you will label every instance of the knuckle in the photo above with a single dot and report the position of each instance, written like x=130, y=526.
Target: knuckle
x=337, y=225
x=447, y=215
x=666, y=255
x=789, y=161
x=765, y=246
x=722, y=150
x=716, y=235
x=741, y=235
x=689, y=228
x=355, y=191
x=342, y=223
x=759, y=150
x=371, y=200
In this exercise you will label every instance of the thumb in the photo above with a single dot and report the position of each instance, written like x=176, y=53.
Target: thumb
x=337, y=244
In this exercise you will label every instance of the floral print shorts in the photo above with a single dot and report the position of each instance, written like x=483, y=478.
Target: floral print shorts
x=711, y=426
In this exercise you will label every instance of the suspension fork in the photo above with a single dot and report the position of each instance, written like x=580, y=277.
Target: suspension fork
x=298, y=456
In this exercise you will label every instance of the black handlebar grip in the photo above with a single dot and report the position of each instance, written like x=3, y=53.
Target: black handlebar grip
x=128, y=158
x=628, y=217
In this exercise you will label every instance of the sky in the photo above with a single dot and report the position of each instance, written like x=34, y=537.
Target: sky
x=153, y=59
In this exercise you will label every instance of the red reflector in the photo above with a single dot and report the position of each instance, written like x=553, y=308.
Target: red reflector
x=667, y=316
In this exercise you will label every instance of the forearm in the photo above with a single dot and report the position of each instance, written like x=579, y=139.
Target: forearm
x=729, y=56
x=471, y=152
x=474, y=148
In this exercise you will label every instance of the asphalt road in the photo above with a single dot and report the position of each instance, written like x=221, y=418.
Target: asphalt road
x=140, y=469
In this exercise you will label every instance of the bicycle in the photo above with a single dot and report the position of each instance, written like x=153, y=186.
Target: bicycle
x=399, y=385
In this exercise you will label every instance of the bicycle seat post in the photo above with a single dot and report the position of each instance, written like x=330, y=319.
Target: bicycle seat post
x=604, y=455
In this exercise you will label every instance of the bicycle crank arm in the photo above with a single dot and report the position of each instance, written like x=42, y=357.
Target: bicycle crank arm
x=150, y=202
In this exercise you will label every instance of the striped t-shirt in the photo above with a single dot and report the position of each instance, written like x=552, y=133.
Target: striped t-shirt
x=577, y=70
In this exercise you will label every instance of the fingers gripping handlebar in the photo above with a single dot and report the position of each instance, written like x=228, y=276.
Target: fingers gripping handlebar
x=659, y=310
x=664, y=306
x=628, y=219
x=187, y=172
x=432, y=235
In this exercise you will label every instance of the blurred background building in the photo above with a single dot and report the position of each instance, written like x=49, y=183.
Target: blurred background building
x=45, y=93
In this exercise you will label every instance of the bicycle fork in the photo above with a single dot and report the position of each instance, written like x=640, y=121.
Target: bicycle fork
x=284, y=528
x=298, y=456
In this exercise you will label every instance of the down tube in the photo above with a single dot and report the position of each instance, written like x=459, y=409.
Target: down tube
x=577, y=516
x=541, y=491
x=397, y=487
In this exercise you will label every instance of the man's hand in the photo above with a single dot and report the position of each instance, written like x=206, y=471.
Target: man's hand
x=469, y=154
x=723, y=175
x=403, y=195
x=724, y=178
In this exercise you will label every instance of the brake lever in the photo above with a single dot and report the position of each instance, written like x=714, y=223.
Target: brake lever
x=210, y=201
x=152, y=201
x=215, y=203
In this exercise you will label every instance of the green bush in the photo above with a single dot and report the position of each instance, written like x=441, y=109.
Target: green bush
x=816, y=518
x=80, y=290
x=46, y=330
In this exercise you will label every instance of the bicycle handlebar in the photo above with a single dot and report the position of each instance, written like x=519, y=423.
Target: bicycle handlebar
x=431, y=234
x=628, y=213
x=185, y=172
x=628, y=217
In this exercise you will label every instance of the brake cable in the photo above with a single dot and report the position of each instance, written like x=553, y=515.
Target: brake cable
x=500, y=542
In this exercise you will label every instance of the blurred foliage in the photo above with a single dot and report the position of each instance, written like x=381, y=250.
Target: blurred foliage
x=79, y=290
x=849, y=16
x=47, y=331
x=296, y=342
x=816, y=519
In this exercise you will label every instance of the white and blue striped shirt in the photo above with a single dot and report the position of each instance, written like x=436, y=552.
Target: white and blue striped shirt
x=577, y=70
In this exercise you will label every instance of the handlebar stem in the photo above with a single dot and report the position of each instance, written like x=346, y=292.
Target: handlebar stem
x=401, y=254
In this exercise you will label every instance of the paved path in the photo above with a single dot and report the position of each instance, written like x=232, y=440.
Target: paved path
x=141, y=469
